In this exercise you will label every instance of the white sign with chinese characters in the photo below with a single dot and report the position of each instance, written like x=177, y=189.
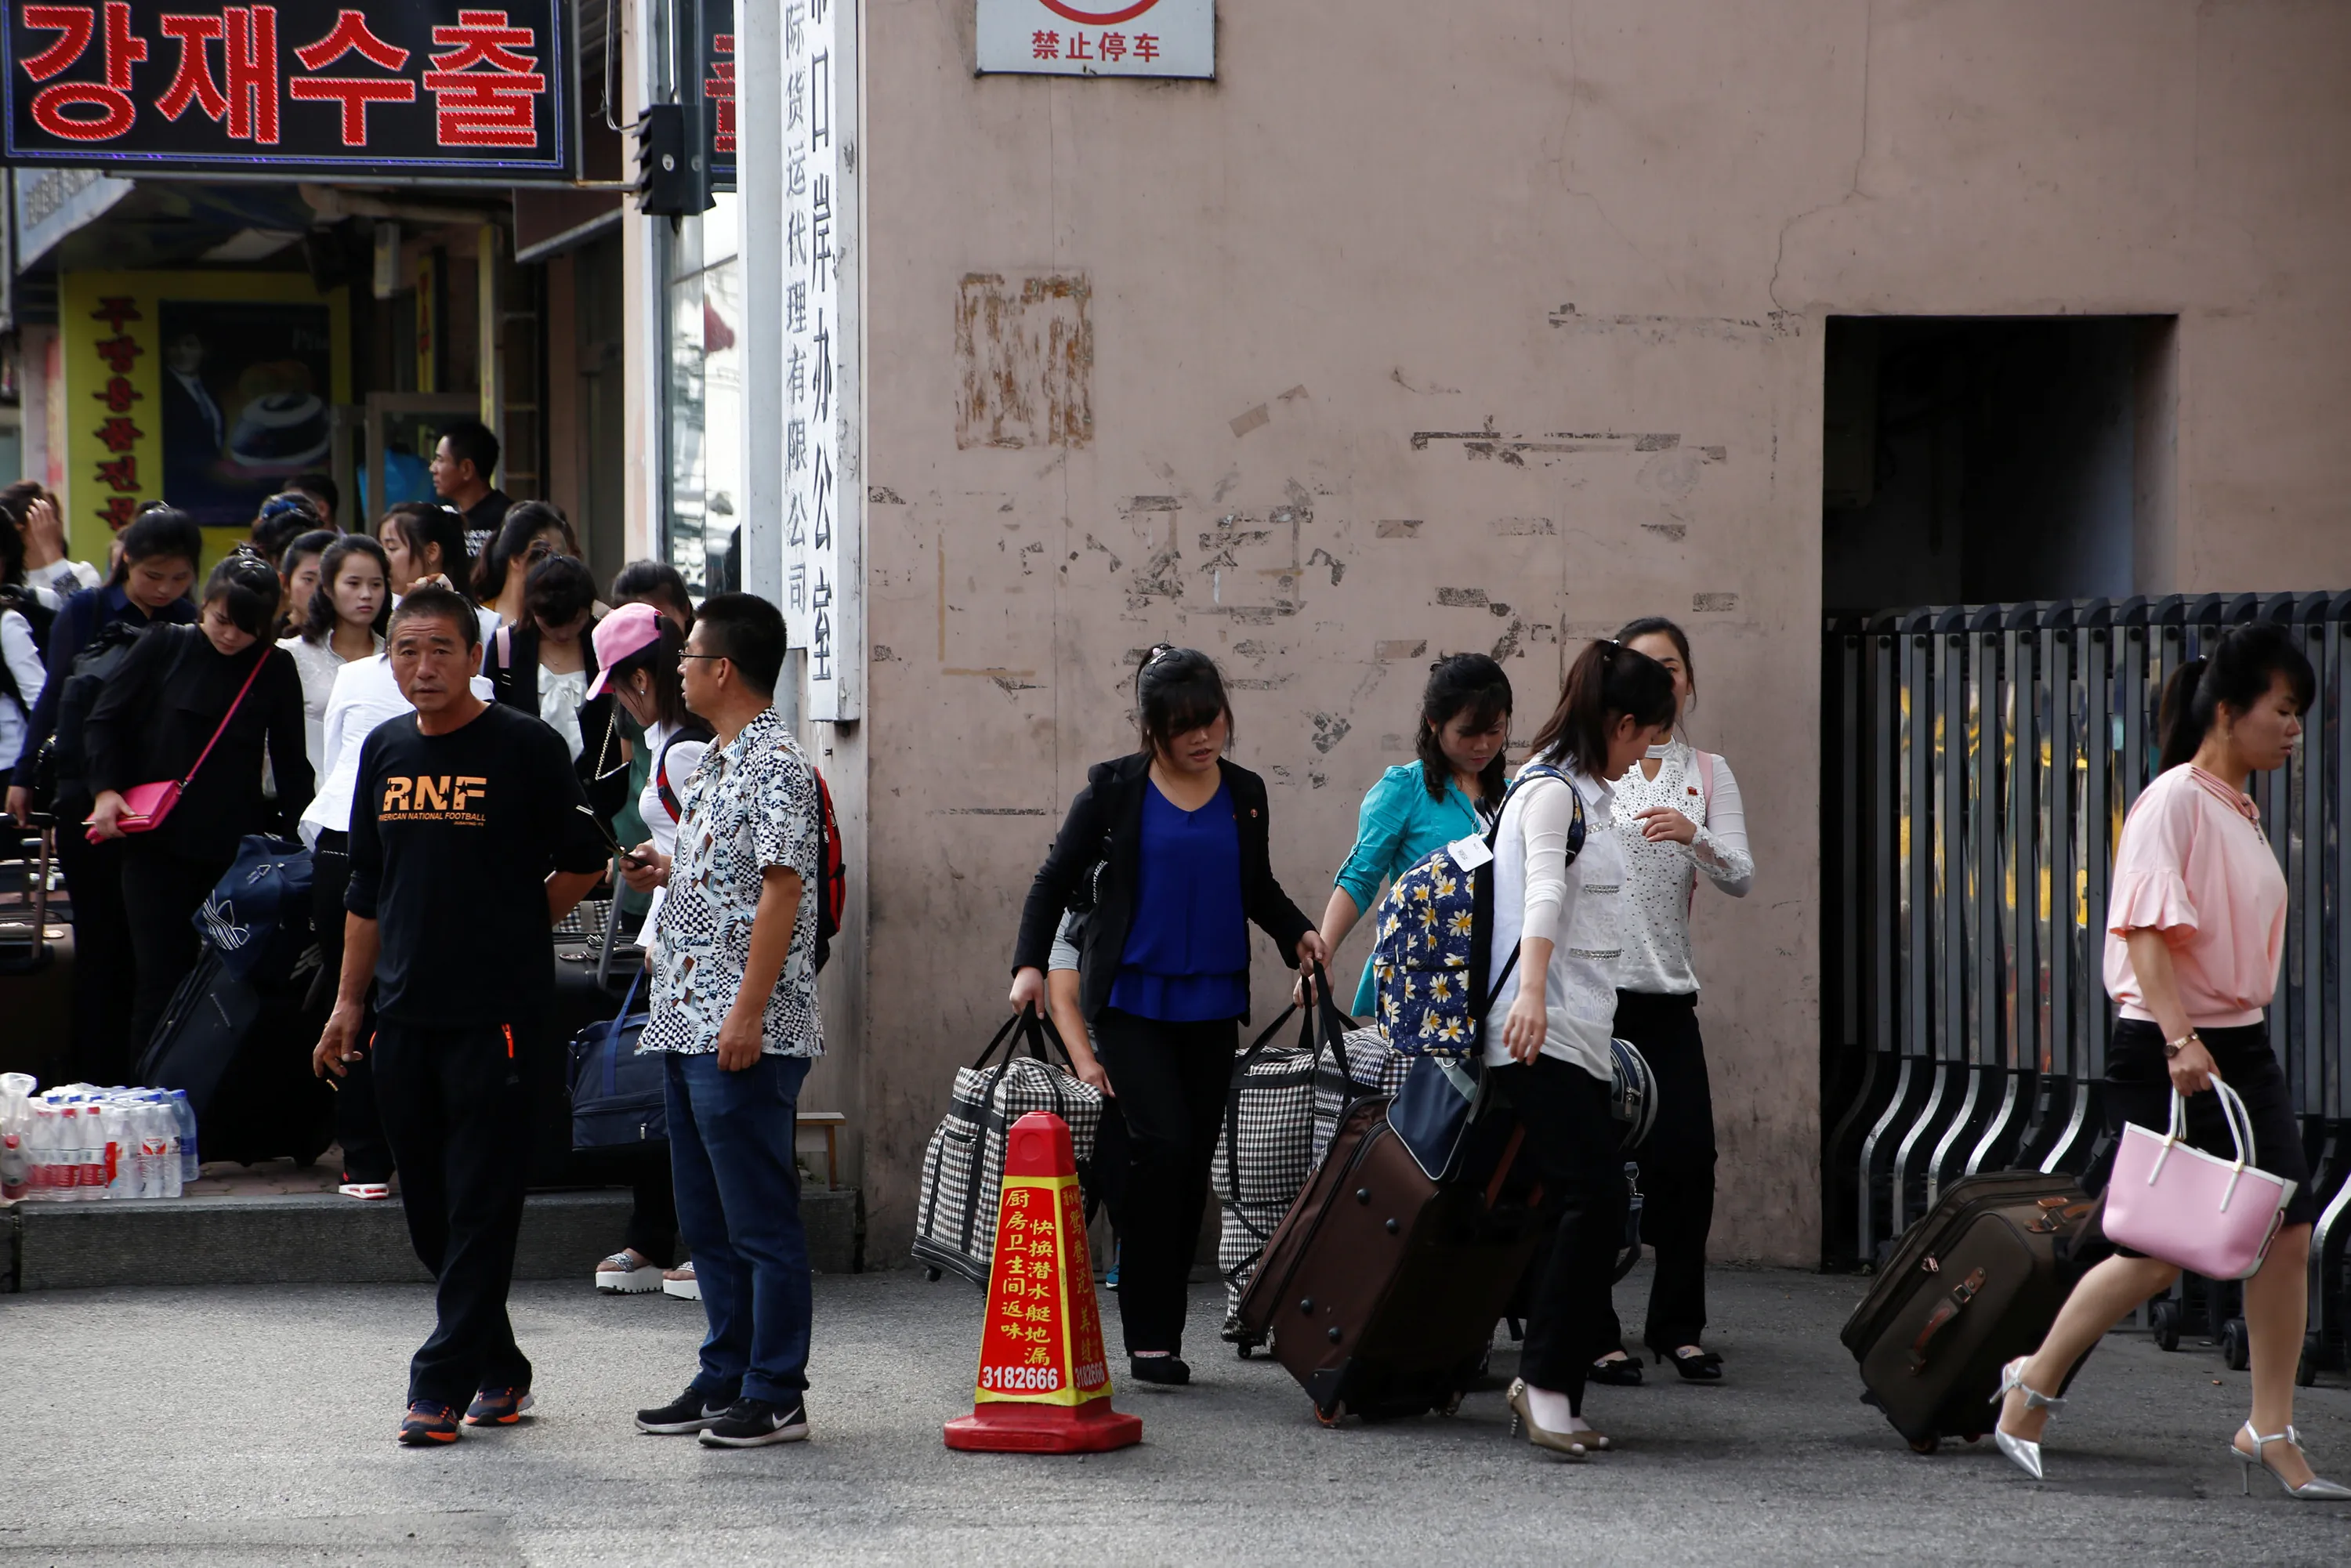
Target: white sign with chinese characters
x=1099, y=37
x=821, y=559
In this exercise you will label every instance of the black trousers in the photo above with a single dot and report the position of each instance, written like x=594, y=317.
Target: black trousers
x=161, y=894
x=653, y=1220
x=1564, y=1111
x=358, y=1121
x=1172, y=1080
x=103, y=974
x=1676, y=1163
x=456, y=1103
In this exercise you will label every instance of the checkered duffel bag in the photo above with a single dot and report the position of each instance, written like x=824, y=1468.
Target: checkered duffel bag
x=1266, y=1151
x=963, y=1169
x=1365, y=1063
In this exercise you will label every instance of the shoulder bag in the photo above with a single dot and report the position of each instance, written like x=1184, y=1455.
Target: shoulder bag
x=146, y=806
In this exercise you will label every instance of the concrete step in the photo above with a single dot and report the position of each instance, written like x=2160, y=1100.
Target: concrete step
x=325, y=1239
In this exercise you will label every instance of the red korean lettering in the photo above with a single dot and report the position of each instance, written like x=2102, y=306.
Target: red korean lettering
x=115, y=112
x=252, y=59
x=118, y=512
x=118, y=394
x=496, y=106
x=718, y=86
x=1047, y=46
x=114, y=310
x=350, y=34
x=193, y=81
x=118, y=434
x=122, y=473
x=119, y=352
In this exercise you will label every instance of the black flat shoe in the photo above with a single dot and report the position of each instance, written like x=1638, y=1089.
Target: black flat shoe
x=1167, y=1369
x=1703, y=1366
x=1622, y=1372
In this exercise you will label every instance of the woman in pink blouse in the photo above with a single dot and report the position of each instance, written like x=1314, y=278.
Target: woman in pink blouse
x=2194, y=929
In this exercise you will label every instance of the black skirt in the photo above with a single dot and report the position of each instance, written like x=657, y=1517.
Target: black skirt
x=2138, y=1089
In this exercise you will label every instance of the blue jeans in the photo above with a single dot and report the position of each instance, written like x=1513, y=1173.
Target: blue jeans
x=738, y=1212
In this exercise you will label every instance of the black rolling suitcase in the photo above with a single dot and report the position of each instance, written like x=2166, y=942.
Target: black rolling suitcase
x=241, y=1052
x=1973, y=1285
x=1382, y=1288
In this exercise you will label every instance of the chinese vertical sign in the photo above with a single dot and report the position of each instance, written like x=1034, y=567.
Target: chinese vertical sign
x=1099, y=37
x=717, y=65
x=422, y=89
x=205, y=390
x=820, y=558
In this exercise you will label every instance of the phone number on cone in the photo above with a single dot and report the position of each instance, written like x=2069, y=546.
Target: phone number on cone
x=1021, y=1379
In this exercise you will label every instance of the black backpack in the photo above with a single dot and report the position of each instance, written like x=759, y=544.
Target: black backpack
x=61, y=771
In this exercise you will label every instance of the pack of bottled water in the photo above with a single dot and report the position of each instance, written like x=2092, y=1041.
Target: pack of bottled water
x=81, y=1143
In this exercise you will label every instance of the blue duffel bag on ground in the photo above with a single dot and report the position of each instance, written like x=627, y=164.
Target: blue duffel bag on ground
x=617, y=1096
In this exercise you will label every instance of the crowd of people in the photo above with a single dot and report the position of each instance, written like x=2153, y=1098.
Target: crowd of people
x=456, y=728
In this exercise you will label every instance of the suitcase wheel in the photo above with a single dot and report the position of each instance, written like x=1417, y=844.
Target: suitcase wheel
x=1242, y=1348
x=1925, y=1444
x=1452, y=1405
x=932, y=1275
x=1332, y=1417
x=2163, y=1321
x=2236, y=1345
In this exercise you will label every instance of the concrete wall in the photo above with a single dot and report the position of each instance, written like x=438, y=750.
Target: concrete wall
x=1485, y=328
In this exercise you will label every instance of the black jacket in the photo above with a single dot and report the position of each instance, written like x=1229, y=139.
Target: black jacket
x=510, y=664
x=1112, y=804
x=156, y=716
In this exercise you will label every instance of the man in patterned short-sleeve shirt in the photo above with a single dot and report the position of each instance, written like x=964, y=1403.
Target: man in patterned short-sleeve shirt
x=734, y=1006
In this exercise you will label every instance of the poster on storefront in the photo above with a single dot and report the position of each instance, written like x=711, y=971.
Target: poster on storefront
x=205, y=390
x=1099, y=37
x=422, y=90
x=820, y=556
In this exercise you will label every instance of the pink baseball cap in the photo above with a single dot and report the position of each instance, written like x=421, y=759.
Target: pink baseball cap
x=630, y=629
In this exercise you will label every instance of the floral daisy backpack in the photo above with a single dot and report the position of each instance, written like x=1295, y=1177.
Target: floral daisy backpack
x=1435, y=941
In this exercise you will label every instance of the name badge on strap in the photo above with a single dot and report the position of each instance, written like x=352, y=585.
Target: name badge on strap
x=1469, y=853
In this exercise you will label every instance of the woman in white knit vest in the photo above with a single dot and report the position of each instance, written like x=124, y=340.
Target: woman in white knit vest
x=1677, y=814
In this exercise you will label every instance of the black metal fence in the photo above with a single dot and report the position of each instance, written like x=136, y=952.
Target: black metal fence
x=1976, y=763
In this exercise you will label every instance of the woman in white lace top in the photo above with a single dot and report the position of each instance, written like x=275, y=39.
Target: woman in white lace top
x=1678, y=816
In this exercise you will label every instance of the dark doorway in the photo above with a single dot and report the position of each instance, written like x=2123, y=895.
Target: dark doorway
x=1971, y=460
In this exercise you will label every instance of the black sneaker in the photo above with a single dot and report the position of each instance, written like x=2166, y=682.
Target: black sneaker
x=755, y=1423
x=428, y=1426
x=689, y=1412
x=1166, y=1369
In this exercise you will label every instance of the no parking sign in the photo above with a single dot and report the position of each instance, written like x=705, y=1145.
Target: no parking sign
x=1099, y=37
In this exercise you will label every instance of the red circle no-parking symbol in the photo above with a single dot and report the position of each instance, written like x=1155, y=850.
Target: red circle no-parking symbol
x=1098, y=18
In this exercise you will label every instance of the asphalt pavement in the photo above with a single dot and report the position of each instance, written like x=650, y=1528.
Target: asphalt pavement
x=225, y=1427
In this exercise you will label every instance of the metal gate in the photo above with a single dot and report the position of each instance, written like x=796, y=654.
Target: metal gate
x=1977, y=764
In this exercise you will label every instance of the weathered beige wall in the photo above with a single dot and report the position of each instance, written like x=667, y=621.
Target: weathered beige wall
x=1486, y=326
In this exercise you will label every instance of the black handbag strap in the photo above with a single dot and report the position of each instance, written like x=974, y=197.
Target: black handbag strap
x=1335, y=1024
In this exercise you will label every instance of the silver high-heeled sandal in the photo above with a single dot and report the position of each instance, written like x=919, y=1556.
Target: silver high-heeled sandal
x=2025, y=1455
x=2314, y=1489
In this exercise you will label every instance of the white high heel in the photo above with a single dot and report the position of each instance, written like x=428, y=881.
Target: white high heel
x=2314, y=1489
x=2025, y=1455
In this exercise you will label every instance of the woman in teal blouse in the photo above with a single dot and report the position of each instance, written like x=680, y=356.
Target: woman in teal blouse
x=1451, y=793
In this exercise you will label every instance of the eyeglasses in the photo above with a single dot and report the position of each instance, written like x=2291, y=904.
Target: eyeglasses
x=702, y=655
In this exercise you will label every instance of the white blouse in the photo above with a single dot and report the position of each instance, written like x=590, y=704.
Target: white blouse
x=1661, y=878
x=1537, y=894
x=318, y=664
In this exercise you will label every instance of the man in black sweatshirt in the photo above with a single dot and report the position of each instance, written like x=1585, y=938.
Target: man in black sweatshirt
x=469, y=838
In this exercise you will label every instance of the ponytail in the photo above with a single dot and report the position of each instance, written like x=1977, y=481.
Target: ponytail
x=1607, y=682
x=2239, y=671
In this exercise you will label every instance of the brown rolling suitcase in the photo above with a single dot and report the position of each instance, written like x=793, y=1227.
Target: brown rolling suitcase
x=1381, y=1289
x=1973, y=1285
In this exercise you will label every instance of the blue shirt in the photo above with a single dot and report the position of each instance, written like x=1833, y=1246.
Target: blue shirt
x=1397, y=826
x=1186, y=958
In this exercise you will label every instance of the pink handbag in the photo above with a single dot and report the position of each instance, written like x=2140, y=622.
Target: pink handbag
x=145, y=806
x=2172, y=1201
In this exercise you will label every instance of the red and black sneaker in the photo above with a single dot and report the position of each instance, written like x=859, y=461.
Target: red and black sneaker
x=497, y=1406
x=428, y=1424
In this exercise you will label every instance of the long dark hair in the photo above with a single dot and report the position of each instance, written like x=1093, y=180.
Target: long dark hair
x=658, y=659
x=2238, y=671
x=524, y=521
x=158, y=531
x=1177, y=690
x=319, y=617
x=247, y=588
x=1466, y=686
x=419, y=524
x=654, y=582
x=1607, y=682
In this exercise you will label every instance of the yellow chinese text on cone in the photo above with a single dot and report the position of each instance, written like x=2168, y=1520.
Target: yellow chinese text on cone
x=1044, y=1382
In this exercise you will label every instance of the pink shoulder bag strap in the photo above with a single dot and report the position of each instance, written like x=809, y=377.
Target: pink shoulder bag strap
x=145, y=806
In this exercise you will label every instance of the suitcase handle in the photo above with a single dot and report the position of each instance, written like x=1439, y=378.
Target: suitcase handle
x=1946, y=1312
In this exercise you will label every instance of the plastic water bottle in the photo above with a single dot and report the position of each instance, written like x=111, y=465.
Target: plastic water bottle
x=185, y=1113
x=162, y=1142
x=122, y=1151
x=16, y=1119
x=40, y=1151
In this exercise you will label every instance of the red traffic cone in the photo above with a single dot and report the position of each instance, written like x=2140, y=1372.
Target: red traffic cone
x=1044, y=1381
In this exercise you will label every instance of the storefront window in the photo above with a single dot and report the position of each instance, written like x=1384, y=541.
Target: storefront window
x=703, y=282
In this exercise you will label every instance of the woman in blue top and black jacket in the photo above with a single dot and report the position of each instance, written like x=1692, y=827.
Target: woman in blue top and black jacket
x=1168, y=852
x=1417, y=808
